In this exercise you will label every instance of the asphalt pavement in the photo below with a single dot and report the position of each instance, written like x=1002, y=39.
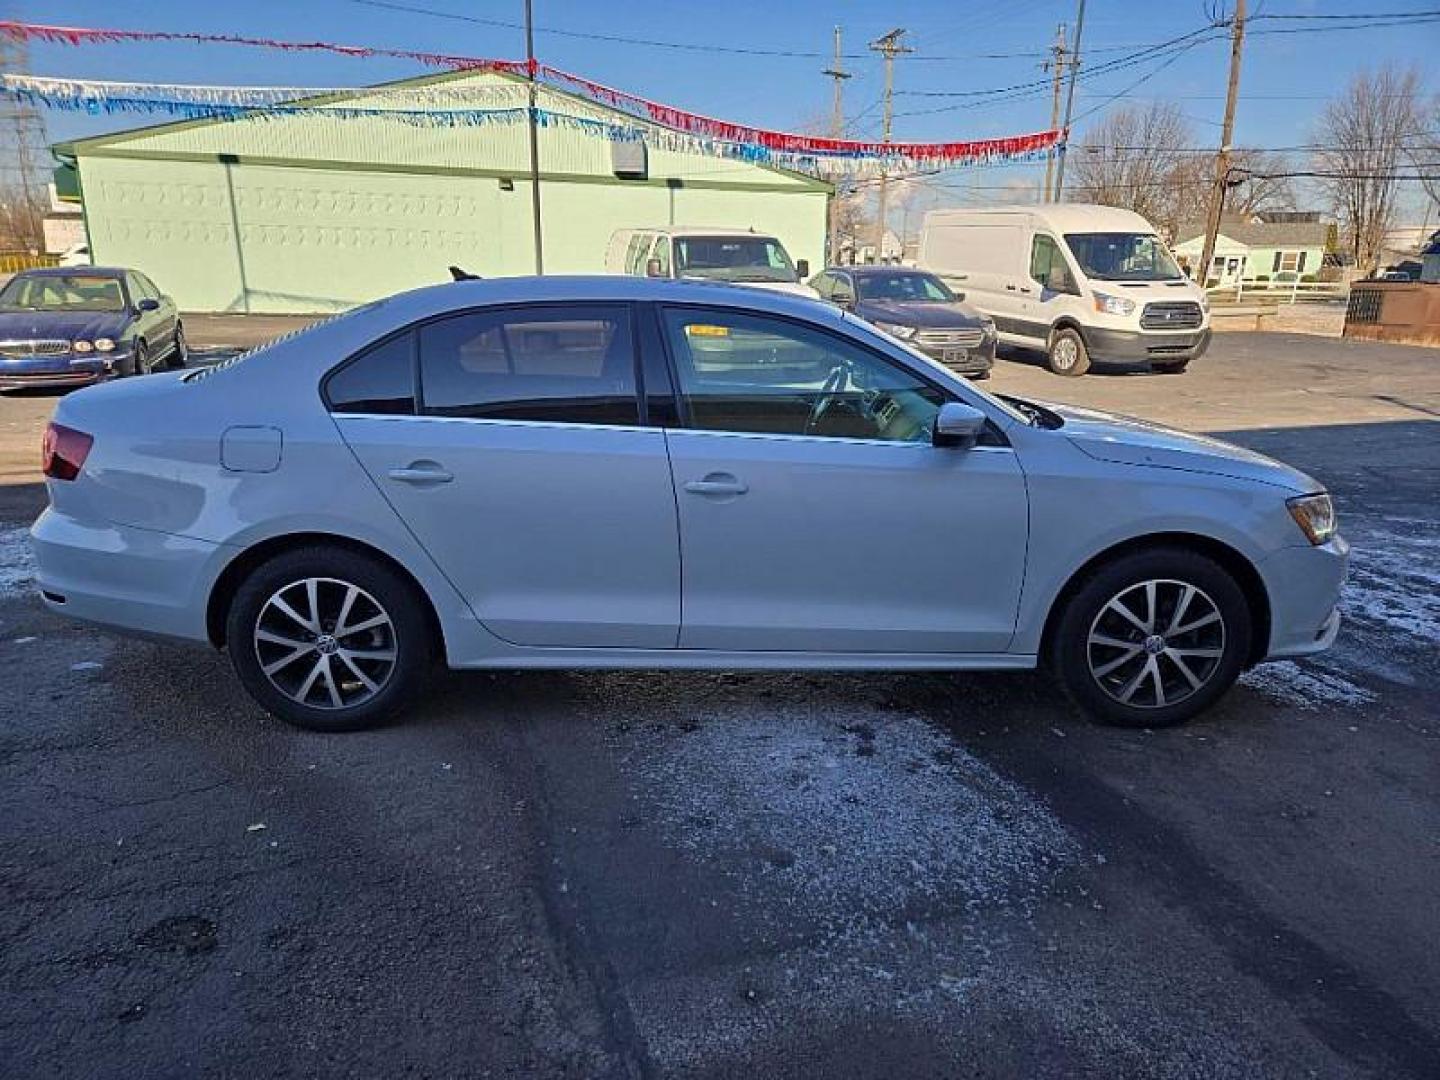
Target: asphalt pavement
x=766, y=875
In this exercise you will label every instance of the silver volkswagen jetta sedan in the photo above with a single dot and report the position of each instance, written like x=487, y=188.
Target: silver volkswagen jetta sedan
x=622, y=473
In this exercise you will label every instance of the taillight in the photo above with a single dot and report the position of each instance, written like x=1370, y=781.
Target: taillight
x=63, y=451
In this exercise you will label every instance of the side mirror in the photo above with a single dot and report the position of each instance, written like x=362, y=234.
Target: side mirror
x=652, y=268
x=148, y=304
x=802, y=268
x=958, y=425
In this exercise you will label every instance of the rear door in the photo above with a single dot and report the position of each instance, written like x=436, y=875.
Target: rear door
x=517, y=456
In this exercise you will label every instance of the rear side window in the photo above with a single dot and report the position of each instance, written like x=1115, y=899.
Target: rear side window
x=379, y=380
x=561, y=364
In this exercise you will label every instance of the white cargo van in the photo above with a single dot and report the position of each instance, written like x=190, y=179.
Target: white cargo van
x=746, y=258
x=1083, y=283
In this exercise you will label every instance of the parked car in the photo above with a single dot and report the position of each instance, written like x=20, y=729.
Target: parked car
x=1083, y=283
x=69, y=326
x=612, y=472
x=734, y=256
x=919, y=309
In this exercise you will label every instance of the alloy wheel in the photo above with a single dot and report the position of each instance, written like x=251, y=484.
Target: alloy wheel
x=1064, y=354
x=325, y=643
x=1156, y=643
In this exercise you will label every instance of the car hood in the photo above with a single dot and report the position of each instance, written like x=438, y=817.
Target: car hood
x=1128, y=441
x=70, y=325
x=919, y=313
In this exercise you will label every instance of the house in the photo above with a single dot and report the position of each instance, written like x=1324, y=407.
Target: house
x=334, y=204
x=1251, y=249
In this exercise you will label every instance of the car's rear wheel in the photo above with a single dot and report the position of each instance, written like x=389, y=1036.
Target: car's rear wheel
x=1067, y=354
x=1152, y=638
x=179, y=351
x=329, y=639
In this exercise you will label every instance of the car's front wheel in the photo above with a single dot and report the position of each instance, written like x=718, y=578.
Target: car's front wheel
x=1067, y=354
x=1152, y=638
x=329, y=639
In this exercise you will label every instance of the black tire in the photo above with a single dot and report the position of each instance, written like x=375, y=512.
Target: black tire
x=1067, y=354
x=1082, y=667
x=176, y=360
x=1172, y=367
x=135, y=363
x=407, y=636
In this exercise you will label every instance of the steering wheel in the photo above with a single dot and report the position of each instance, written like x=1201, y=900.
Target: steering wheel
x=834, y=382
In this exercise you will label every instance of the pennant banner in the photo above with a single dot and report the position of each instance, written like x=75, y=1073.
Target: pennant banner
x=659, y=124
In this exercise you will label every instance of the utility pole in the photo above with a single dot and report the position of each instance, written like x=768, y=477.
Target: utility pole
x=1069, y=105
x=889, y=46
x=1059, y=53
x=837, y=72
x=531, y=70
x=1227, y=131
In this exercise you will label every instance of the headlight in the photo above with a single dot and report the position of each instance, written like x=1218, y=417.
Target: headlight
x=104, y=344
x=897, y=330
x=1113, y=305
x=1315, y=514
x=82, y=346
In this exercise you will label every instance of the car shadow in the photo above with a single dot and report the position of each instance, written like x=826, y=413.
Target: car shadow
x=1036, y=359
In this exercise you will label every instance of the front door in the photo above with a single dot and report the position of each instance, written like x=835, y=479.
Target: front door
x=816, y=516
x=522, y=467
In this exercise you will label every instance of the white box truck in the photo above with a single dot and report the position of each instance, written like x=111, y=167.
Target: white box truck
x=1082, y=283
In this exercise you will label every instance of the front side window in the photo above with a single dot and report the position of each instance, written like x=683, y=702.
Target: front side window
x=747, y=373
x=1111, y=256
x=379, y=380
x=1048, y=266
x=63, y=292
x=560, y=364
x=908, y=286
x=734, y=258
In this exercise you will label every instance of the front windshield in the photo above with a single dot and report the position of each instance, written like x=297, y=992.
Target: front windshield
x=1122, y=257
x=913, y=287
x=733, y=258
x=67, y=292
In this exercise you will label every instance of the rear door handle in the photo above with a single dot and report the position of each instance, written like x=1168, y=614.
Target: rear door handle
x=1011, y=288
x=717, y=484
x=421, y=473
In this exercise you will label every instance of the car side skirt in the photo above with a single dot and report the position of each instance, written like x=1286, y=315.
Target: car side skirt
x=710, y=660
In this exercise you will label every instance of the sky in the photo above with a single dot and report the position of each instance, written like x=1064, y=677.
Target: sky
x=1285, y=79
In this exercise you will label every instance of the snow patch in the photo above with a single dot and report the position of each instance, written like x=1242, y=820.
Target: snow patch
x=1394, y=581
x=17, y=563
x=1305, y=687
x=853, y=818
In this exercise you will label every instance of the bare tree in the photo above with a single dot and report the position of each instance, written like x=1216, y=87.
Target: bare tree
x=1131, y=160
x=1424, y=150
x=1260, y=184
x=1363, y=137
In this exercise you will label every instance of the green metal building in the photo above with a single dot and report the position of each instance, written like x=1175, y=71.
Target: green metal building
x=305, y=212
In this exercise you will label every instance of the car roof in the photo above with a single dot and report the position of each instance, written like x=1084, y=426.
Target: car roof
x=596, y=288
x=71, y=271
x=871, y=270
x=701, y=230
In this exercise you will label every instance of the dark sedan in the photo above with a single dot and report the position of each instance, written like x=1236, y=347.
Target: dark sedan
x=919, y=309
x=69, y=326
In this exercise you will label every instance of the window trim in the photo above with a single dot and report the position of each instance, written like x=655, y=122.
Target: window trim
x=417, y=381
x=682, y=403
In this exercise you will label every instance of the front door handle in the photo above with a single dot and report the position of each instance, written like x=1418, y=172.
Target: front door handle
x=717, y=484
x=422, y=473
x=1011, y=288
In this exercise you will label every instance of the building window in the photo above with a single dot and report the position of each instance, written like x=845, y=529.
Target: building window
x=1288, y=262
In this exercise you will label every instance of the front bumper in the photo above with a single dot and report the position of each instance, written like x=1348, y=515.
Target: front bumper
x=50, y=371
x=977, y=361
x=138, y=581
x=1303, y=585
x=1146, y=345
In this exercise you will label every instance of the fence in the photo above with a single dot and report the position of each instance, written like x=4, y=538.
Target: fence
x=12, y=262
x=1280, y=292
